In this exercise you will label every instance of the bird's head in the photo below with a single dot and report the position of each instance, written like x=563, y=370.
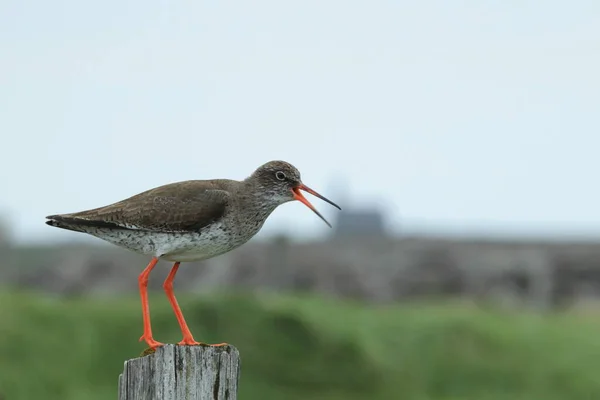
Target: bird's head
x=280, y=182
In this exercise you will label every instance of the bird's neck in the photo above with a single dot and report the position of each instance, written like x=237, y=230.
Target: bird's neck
x=257, y=200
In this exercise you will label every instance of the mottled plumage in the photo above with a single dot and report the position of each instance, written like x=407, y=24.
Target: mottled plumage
x=191, y=220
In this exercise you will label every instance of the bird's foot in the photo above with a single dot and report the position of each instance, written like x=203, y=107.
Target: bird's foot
x=153, y=344
x=189, y=341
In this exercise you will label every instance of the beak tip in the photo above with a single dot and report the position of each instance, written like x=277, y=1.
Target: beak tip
x=298, y=196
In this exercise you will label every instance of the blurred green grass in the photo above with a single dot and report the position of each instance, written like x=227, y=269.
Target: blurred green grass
x=296, y=347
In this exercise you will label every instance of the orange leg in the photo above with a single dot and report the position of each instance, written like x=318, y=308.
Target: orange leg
x=143, y=284
x=188, y=339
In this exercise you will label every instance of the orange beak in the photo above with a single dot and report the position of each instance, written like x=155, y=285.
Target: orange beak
x=300, y=197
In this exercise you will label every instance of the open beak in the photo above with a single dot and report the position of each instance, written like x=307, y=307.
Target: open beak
x=300, y=197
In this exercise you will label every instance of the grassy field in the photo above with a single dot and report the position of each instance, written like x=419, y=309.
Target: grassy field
x=306, y=348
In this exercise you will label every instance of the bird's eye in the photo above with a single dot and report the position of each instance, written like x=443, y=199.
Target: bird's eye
x=280, y=175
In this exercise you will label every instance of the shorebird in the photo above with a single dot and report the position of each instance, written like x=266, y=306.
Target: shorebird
x=190, y=221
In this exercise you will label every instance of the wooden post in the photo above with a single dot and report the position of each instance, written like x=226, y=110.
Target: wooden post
x=182, y=372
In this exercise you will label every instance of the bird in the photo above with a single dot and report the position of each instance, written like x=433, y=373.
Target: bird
x=189, y=221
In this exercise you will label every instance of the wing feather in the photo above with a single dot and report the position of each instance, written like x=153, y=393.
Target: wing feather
x=178, y=207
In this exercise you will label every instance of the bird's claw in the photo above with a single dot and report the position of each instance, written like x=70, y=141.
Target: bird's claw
x=153, y=344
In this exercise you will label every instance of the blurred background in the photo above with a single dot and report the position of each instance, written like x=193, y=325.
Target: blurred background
x=460, y=138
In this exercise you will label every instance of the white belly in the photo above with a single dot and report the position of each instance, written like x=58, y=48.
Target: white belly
x=193, y=246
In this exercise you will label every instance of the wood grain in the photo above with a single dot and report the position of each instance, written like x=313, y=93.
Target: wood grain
x=182, y=372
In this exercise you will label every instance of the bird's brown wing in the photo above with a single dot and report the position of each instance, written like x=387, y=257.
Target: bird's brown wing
x=177, y=207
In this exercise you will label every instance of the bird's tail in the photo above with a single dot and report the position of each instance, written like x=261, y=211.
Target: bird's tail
x=65, y=221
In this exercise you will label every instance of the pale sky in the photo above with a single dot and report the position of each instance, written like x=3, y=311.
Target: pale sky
x=467, y=116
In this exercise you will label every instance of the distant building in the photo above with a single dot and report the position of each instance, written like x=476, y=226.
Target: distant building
x=355, y=222
x=365, y=222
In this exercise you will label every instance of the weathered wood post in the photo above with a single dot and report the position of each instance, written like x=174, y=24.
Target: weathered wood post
x=182, y=372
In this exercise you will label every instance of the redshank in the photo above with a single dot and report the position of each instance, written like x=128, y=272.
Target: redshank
x=190, y=221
